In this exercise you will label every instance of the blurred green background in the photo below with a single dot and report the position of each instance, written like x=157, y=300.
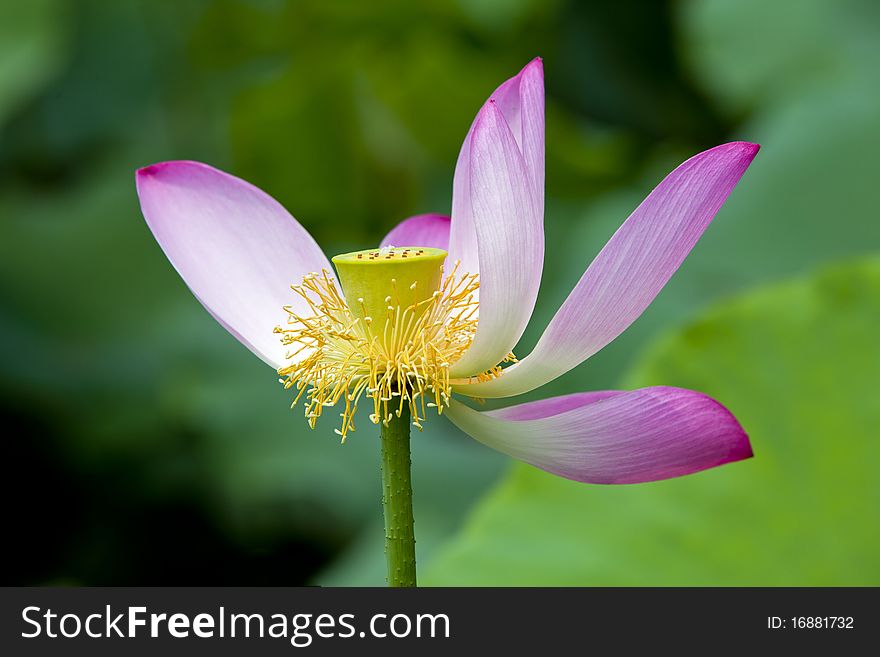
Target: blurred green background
x=143, y=445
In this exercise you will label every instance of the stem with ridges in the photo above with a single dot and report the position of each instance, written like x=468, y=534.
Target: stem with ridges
x=400, y=541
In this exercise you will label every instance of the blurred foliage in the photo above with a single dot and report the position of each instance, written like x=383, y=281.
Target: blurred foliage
x=801, y=513
x=751, y=53
x=151, y=446
x=32, y=48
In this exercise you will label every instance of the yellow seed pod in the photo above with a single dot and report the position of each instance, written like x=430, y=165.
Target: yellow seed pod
x=377, y=282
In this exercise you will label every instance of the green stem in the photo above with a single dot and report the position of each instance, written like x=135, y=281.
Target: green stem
x=400, y=541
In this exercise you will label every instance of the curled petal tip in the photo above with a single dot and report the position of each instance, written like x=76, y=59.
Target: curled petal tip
x=750, y=147
x=149, y=170
x=488, y=119
x=170, y=168
x=742, y=449
x=747, y=148
x=740, y=445
x=745, y=451
x=531, y=75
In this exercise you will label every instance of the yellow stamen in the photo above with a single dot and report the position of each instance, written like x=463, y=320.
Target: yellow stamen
x=396, y=350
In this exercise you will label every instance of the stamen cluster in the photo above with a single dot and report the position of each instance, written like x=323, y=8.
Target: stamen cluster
x=401, y=359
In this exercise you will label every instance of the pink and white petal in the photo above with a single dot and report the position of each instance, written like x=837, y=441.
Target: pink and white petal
x=421, y=230
x=462, y=232
x=613, y=437
x=510, y=241
x=552, y=405
x=236, y=248
x=521, y=103
x=630, y=270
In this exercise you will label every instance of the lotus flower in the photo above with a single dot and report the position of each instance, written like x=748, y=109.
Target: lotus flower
x=407, y=327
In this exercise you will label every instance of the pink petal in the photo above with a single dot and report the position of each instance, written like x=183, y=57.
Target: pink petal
x=421, y=230
x=236, y=248
x=553, y=405
x=630, y=270
x=497, y=225
x=613, y=437
x=521, y=101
